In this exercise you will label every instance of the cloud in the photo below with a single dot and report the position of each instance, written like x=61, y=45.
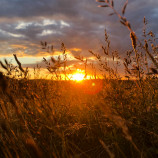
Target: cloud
x=78, y=23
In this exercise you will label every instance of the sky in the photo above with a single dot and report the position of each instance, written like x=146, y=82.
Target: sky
x=79, y=24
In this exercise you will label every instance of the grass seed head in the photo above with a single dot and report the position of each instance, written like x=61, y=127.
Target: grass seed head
x=134, y=39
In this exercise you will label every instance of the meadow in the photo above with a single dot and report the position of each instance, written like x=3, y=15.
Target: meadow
x=41, y=118
x=108, y=117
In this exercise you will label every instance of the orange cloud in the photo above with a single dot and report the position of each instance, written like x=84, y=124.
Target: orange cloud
x=18, y=46
x=76, y=49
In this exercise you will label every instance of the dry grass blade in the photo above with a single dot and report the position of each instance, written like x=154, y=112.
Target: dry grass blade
x=103, y=6
x=5, y=60
x=100, y=1
x=122, y=22
x=111, y=14
x=3, y=66
x=18, y=62
x=124, y=7
x=107, y=149
x=112, y=3
x=53, y=60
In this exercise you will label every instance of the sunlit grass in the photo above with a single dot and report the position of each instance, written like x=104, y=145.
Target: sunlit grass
x=80, y=113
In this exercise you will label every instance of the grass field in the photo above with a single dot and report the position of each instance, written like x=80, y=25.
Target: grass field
x=95, y=118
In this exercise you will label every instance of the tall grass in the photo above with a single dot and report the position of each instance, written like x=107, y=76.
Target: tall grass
x=106, y=117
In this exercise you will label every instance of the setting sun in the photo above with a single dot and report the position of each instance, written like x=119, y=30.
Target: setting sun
x=78, y=77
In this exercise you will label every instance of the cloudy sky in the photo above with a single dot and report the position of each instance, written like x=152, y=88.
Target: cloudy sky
x=79, y=24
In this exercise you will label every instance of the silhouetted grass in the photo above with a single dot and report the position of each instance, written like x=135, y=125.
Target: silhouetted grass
x=106, y=117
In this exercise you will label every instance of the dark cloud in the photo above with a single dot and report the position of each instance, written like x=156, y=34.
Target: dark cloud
x=77, y=23
x=29, y=8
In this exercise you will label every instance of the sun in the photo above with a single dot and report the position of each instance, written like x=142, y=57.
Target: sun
x=78, y=77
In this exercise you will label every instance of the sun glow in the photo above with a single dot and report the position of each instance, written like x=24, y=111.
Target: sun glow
x=78, y=77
